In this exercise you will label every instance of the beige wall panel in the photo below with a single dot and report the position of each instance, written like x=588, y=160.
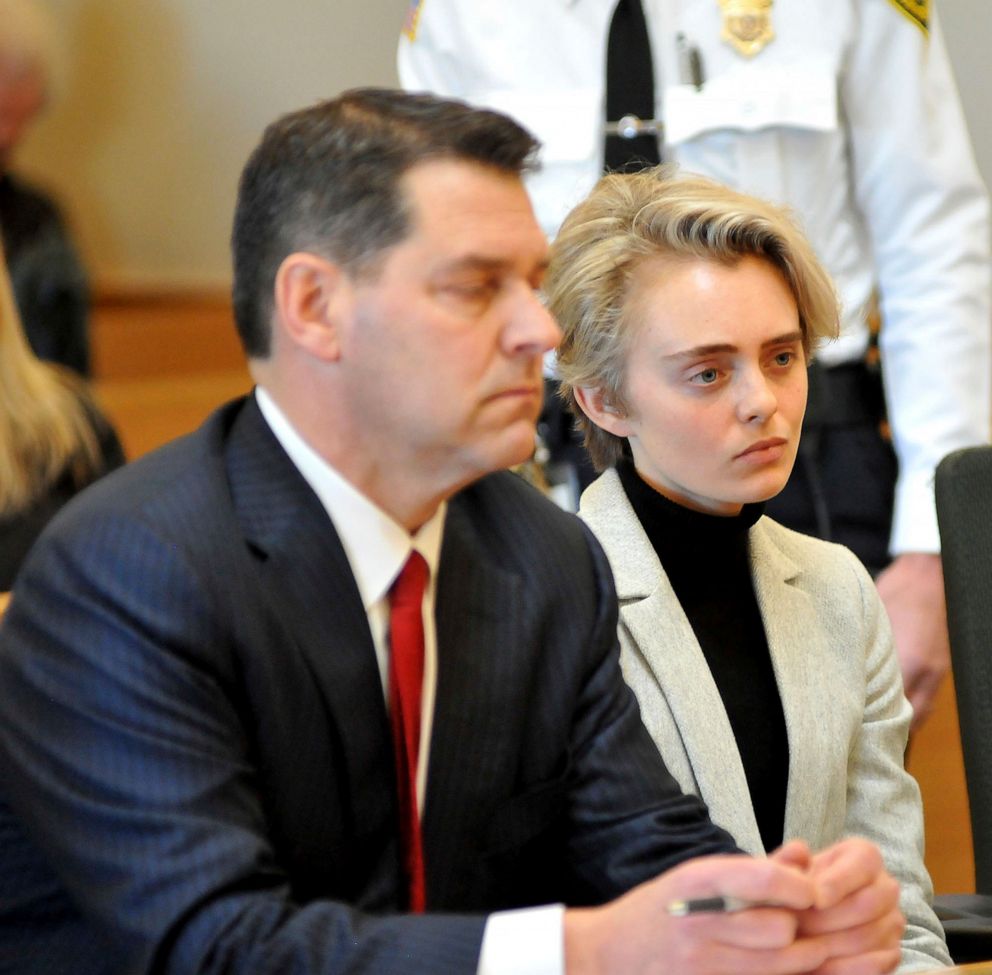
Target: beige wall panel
x=165, y=98
x=968, y=32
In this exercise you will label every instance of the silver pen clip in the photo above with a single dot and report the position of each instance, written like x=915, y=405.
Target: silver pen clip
x=690, y=62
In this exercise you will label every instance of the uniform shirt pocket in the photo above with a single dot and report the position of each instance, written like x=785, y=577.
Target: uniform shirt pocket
x=750, y=98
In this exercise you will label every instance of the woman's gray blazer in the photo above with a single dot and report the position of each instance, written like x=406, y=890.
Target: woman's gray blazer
x=845, y=712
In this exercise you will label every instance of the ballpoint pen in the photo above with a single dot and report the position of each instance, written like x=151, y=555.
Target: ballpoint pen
x=714, y=905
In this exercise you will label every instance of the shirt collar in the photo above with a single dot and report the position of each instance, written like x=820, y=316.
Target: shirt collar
x=376, y=545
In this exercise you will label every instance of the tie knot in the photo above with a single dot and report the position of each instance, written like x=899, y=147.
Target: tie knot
x=408, y=589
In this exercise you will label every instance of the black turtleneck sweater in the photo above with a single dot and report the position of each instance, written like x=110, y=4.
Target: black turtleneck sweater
x=707, y=561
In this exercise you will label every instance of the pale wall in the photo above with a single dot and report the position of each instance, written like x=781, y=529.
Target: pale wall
x=968, y=31
x=167, y=97
x=165, y=100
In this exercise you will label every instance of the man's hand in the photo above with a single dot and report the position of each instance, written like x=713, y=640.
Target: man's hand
x=856, y=910
x=912, y=589
x=635, y=934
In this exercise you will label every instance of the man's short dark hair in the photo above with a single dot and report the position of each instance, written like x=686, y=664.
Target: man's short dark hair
x=326, y=180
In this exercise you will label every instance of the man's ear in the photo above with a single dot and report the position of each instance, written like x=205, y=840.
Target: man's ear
x=312, y=298
x=596, y=405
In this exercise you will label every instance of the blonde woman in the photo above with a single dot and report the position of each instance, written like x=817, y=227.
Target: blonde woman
x=53, y=439
x=762, y=659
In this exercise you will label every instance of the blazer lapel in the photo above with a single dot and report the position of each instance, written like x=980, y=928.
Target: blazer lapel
x=304, y=573
x=661, y=632
x=800, y=651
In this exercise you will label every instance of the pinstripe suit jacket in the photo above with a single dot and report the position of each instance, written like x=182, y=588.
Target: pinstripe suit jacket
x=194, y=747
x=838, y=678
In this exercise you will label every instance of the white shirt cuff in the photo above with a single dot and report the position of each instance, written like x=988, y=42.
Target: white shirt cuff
x=914, y=525
x=524, y=942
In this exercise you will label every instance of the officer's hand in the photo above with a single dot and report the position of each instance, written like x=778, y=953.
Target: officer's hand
x=912, y=589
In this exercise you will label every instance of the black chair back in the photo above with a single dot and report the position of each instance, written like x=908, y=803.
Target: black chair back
x=964, y=515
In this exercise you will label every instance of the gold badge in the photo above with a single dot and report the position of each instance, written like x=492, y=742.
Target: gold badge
x=747, y=24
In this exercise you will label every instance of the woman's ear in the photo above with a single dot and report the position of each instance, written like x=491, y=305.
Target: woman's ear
x=596, y=405
x=313, y=298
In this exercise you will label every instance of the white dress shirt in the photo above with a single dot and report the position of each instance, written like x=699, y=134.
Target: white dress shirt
x=524, y=942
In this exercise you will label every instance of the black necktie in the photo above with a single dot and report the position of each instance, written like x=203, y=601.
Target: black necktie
x=629, y=88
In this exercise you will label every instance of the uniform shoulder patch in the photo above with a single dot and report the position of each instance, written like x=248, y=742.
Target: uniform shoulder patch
x=918, y=11
x=412, y=21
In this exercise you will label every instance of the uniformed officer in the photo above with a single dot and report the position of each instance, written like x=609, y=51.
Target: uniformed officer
x=847, y=111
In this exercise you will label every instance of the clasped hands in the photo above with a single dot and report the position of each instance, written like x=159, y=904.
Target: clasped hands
x=838, y=914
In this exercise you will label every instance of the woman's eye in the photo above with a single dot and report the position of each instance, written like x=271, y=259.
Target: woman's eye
x=784, y=358
x=705, y=377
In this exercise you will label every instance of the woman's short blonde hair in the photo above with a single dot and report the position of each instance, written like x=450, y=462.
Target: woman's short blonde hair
x=629, y=218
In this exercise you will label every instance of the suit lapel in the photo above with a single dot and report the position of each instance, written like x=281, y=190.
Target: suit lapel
x=306, y=578
x=480, y=635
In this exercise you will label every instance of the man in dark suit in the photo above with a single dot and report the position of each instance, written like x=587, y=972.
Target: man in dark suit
x=205, y=742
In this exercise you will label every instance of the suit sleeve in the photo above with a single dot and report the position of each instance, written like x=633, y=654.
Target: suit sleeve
x=631, y=821
x=126, y=755
x=883, y=799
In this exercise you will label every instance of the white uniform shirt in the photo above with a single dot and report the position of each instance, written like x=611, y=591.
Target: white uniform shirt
x=850, y=116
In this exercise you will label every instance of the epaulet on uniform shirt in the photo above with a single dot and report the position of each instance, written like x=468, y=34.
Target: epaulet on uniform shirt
x=412, y=21
x=918, y=11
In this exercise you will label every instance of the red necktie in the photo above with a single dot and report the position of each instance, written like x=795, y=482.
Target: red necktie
x=406, y=678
